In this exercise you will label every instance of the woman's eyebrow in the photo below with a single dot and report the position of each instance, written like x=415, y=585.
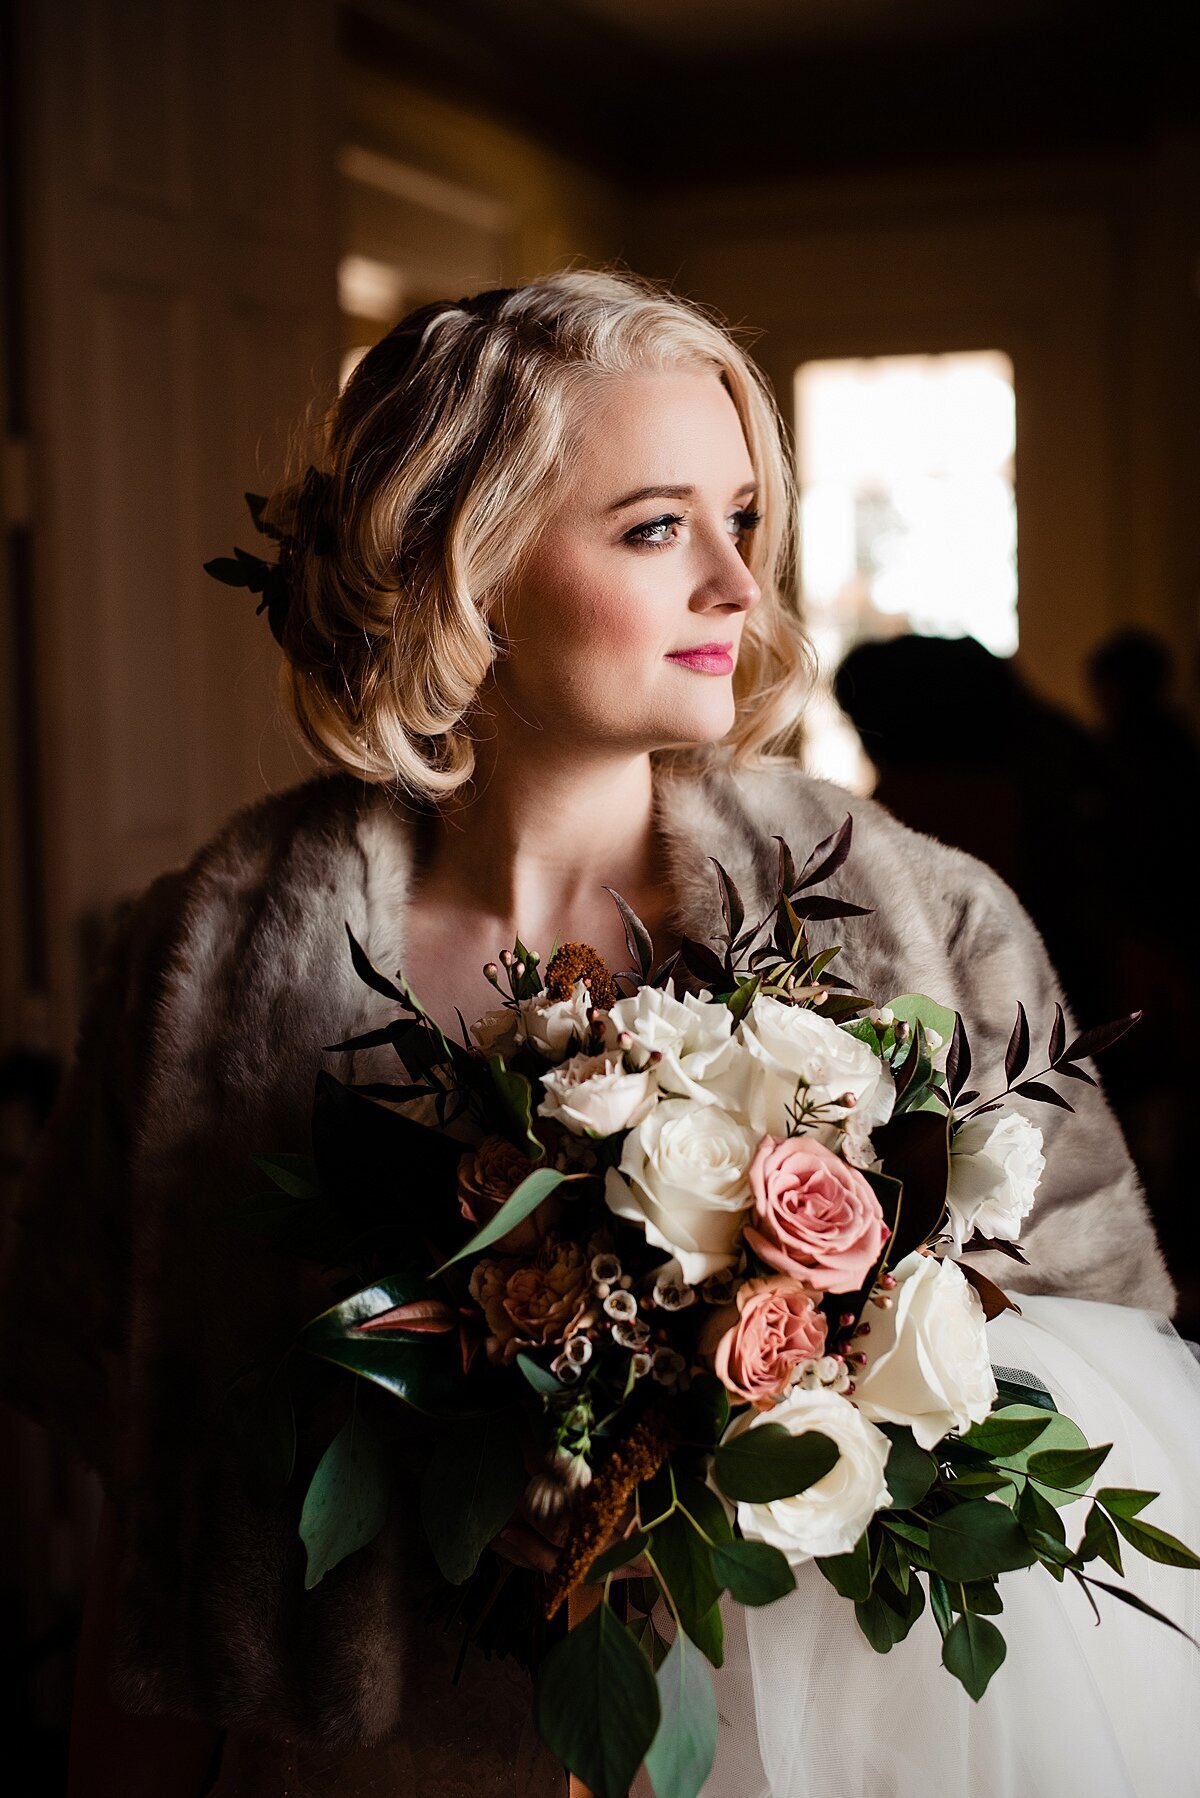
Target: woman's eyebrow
x=669, y=492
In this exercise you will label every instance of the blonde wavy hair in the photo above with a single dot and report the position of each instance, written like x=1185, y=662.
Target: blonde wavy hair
x=440, y=461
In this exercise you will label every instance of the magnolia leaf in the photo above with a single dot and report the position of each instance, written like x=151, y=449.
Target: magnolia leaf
x=753, y=1573
x=423, y=1368
x=596, y=1703
x=977, y=1540
x=681, y=1756
x=346, y=1504
x=766, y=1462
x=471, y=1487
x=973, y=1651
x=523, y=1199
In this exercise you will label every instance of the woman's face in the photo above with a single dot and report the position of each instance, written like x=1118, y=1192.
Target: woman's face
x=641, y=562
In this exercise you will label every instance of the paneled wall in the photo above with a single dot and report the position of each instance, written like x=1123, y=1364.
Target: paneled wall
x=180, y=254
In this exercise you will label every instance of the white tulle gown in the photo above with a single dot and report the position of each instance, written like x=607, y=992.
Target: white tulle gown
x=808, y=1710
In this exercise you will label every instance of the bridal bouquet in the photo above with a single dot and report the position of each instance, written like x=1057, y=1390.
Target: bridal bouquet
x=688, y=1283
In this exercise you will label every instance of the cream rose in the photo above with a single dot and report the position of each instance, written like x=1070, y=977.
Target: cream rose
x=829, y=1518
x=682, y=1178
x=927, y=1358
x=995, y=1165
x=692, y=1035
x=548, y=1025
x=787, y=1044
x=596, y=1093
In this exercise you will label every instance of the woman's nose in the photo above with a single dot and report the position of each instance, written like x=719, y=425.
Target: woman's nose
x=729, y=581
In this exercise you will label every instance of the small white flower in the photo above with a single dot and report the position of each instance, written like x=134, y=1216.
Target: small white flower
x=565, y=1369
x=666, y=1365
x=640, y=1364
x=578, y=1350
x=605, y=1270
x=832, y=1514
x=671, y=1291
x=996, y=1162
x=621, y=1305
x=633, y=1335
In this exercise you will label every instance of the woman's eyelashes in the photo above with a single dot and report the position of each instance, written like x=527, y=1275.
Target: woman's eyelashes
x=642, y=538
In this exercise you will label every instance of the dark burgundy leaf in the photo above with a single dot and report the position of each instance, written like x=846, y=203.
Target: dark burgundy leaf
x=1058, y=1036
x=966, y=1098
x=637, y=938
x=367, y=972
x=993, y=1300
x=1073, y=1073
x=1016, y=1056
x=977, y=1243
x=787, y=868
x=958, y=1058
x=827, y=857
x=1045, y=1095
x=699, y=960
x=732, y=909
x=1103, y=1036
x=981, y=1110
x=815, y=906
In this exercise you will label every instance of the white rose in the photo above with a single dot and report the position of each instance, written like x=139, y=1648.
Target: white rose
x=685, y=1183
x=596, y=1093
x=996, y=1162
x=549, y=1025
x=927, y=1358
x=830, y=1517
x=789, y=1043
x=497, y=1032
x=693, y=1036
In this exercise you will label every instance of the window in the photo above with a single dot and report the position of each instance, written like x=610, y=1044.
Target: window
x=908, y=515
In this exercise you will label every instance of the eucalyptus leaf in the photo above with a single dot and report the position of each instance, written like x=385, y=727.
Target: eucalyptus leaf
x=685, y=1566
x=346, y=1504
x=1074, y=1468
x=910, y=1471
x=977, y=1540
x=1155, y=1544
x=850, y=1574
x=1100, y=1541
x=618, y=1556
x=681, y=1756
x=1060, y=1433
x=521, y=1201
x=596, y=1703
x=886, y=1617
x=1002, y=1434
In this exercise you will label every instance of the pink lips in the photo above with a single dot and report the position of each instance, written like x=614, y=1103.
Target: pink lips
x=706, y=658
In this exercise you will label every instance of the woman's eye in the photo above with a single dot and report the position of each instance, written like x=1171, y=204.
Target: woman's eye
x=642, y=533
x=746, y=520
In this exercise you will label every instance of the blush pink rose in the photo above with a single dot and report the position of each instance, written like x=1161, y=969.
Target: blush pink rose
x=814, y=1216
x=777, y=1326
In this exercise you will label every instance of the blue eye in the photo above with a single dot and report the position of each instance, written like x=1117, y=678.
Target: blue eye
x=642, y=534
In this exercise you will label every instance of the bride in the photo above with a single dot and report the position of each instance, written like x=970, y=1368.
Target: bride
x=538, y=628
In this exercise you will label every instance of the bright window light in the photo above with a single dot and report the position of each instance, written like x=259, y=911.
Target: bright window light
x=908, y=515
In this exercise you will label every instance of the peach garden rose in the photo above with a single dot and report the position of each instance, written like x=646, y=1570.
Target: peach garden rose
x=812, y=1215
x=773, y=1327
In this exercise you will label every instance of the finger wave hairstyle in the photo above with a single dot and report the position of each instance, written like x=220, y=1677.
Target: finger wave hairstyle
x=441, y=457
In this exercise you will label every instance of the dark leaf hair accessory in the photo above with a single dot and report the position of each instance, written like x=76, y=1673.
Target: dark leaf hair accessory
x=311, y=530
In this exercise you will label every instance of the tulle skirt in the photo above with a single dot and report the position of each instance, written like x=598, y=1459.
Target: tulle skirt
x=808, y=1710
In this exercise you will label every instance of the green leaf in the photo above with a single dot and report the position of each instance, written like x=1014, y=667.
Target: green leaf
x=910, y=1472
x=346, y=1504
x=980, y=1596
x=911, y=1006
x=680, y=1758
x=850, y=1574
x=766, y=1462
x=516, y=1208
x=685, y=1566
x=703, y=1505
x=471, y=1487
x=1123, y=1501
x=619, y=1555
x=596, y=1703
x=1060, y=1433
x=972, y=1652
x=1099, y=1541
x=1002, y=1434
x=887, y=1616
x=1074, y=1468
x=294, y=1174
x=753, y=1573
x=1016, y=1392
x=1138, y=1604
x=709, y=1635
x=977, y=1540
x=939, y=1604
x=701, y=1414
x=516, y=1096
x=539, y=1377
x=1155, y=1544
x=425, y=1370
x=1043, y=1528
